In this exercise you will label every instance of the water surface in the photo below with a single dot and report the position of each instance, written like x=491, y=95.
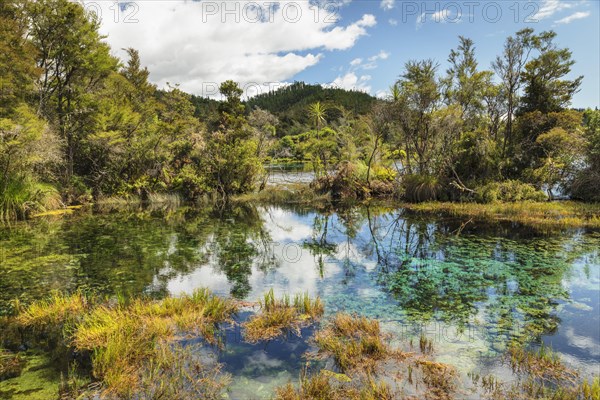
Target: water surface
x=470, y=286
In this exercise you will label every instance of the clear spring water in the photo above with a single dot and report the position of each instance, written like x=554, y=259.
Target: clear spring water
x=469, y=286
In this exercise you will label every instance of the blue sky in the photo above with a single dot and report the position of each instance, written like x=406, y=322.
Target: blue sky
x=355, y=44
x=398, y=34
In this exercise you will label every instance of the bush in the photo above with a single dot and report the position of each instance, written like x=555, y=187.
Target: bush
x=508, y=192
x=419, y=188
x=349, y=182
x=22, y=196
x=189, y=183
x=586, y=186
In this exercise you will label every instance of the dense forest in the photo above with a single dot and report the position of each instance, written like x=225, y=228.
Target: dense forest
x=78, y=125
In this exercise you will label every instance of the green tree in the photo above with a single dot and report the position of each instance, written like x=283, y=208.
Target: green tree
x=561, y=151
x=586, y=183
x=509, y=68
x=464, y=84
x=17, y=61
x=546, y=90
x=230, y=161
x=419, y=99
x=74, y=61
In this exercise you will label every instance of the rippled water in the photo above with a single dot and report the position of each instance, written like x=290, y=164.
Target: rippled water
x=470, y=286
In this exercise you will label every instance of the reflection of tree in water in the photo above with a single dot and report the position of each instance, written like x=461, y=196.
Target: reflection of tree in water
x=239, y=242
x=130, y=252
x=318, y=245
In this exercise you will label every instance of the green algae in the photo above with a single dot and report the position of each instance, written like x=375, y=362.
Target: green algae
x=38, y=380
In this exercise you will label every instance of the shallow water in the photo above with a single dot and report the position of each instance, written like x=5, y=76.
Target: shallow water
x=469, y=286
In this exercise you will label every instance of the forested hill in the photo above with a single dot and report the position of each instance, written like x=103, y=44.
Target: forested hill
x=299, y=95
x=290, y=103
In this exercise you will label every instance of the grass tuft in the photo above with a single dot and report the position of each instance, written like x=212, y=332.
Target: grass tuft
x=323, y=386
x=132, y=342
x=354, y=342
x=279, y=316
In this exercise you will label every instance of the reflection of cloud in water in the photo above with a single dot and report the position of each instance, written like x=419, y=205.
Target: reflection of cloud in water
x=201, y=277
x=292, y=277
x=350, y=252
x=584, y=274
x=261, y=361
x=284, y=227
x=582, y=342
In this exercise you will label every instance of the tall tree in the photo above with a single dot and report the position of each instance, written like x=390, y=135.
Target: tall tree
x=74, y=61
x=230, y=162
x=464, y=84
x=17, y=58
x=419, y=99
x=509, y=67
x=546, y=89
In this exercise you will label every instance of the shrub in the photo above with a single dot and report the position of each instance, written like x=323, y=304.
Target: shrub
x=419, y=188
x=20, y=196
x=350, y=182
x=508, y=192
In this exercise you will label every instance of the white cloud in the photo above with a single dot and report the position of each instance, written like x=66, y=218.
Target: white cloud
x=573, y=17
x=383, y=55
x=550, y=7
x=198, y=45
x=393, y=22
x=441, y=16
x=371, y=63
x=382, y=94
x=387, y=4
x=351, y=81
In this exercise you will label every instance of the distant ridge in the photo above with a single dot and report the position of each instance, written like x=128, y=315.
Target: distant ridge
x=290, y=103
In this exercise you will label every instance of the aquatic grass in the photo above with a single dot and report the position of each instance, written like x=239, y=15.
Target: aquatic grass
x=354, y=342
x=425, y=344
x=325, y=386
x=122, y=338
x=22, y=195
x=557, y=214
x=177, y=373
x=54, y=313
x=360, y=349
x=543, y=363
x=440, y=379
x=278, y=316
x=540, y=375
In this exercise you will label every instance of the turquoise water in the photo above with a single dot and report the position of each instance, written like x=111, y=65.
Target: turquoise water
x=469, y=286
